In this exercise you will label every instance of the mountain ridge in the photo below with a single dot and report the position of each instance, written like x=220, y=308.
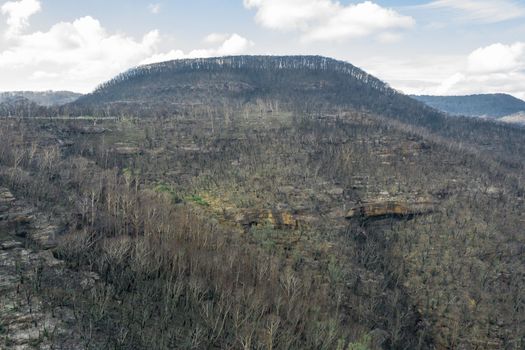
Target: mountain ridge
x=312, y=62
x=43, y=98
x=309, y=82
x=492, y=106
x=234, y=68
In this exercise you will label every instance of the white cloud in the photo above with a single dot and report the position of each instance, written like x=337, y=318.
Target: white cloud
x=291, y=14
x=325, y=20
x=166, y=56
x=81, y=54
x=497, y=58
x=510, y=82
x=415, y=74
x=492, y=69
x=43, y=75
x=154, y=8
x=447, y=85
x=215, y=38
x=389, y=38
x=76, y=55
x=233, y=44
x=18, y=13
x=495, y=68
x=489, y=11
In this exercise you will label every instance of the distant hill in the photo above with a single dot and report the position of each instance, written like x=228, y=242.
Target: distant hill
x=44, y=98
x=485, y=105
x=21, y=107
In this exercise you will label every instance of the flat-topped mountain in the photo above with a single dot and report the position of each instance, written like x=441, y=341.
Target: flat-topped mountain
x=484, y=105
x=238, y=77
x=299, y=84
x=308, y=82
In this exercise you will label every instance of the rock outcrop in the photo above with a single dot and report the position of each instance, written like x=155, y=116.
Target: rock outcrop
x=20, y=220
x=26, y=264
x=278, y=219
x=395, y=209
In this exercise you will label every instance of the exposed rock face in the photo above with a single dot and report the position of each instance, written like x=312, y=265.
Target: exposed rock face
x=390, y=209
x=277, y=219
x=20, y=220
x=6, y=198
x=25, y=321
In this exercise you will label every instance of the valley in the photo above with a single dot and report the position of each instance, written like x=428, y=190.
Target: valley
x=301, y=205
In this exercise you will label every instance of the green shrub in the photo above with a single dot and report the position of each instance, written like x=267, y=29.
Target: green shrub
x=335, y=271
x=362, y=344
x=199, y=200
x=265, y=235
x=165, y=188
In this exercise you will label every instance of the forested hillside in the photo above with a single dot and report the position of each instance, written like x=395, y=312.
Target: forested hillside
x=302, y=84
x=307, y=83
x=259, y=203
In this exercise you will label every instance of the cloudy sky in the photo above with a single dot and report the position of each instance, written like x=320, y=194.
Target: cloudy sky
x=425, y=47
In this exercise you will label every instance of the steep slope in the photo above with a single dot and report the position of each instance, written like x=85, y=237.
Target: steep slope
x=323, y=230
x=43, y=98
x=487, y=105
x=284, y=203
x=299, y=84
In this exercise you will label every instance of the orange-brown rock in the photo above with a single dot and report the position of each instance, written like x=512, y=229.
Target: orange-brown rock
x=275, y=218
x=390, y=209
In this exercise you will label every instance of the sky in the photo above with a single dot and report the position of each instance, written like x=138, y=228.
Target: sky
x=436, y=47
